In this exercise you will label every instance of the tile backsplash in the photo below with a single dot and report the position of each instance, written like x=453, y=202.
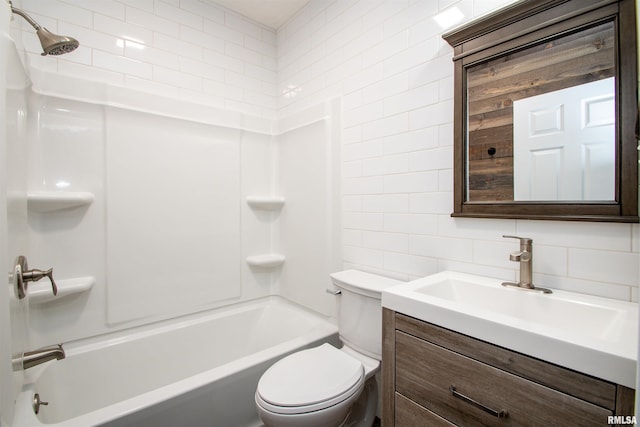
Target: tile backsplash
x=387, y=62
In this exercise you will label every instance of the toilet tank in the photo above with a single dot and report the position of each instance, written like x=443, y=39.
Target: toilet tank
x=359, y=309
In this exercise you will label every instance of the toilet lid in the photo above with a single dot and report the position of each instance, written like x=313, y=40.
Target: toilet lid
x=309, y=377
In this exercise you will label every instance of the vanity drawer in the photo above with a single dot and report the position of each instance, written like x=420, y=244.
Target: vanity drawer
x=410, y=414
x=428, y=374
x=584, y=387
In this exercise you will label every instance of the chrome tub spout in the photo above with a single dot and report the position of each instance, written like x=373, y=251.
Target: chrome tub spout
x=30, y=359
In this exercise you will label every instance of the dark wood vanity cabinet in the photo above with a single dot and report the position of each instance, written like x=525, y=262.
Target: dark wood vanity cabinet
x=433, y=376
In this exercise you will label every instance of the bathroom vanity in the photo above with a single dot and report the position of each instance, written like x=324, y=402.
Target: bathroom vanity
x=461, y=349
x=437, y=377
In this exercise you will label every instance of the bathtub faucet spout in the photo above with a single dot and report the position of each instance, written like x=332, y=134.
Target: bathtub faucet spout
x=30, y=359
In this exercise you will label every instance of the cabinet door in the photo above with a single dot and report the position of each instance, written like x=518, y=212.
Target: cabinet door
x=467, y=392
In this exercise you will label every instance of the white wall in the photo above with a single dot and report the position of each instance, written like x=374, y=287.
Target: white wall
x=388, y=62
x=187, y=49
x=14, y=321
x=196, y=53
x=169, y=230
x=6, y=392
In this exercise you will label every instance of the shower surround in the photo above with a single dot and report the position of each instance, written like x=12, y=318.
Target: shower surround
x=171, y=227
x=152, y=210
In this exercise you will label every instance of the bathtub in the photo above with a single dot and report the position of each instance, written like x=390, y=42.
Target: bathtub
x=201, y=370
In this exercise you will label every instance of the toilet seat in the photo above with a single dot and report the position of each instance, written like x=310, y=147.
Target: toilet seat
x=310, y=380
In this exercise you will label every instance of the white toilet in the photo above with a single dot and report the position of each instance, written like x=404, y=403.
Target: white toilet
x=325, y=386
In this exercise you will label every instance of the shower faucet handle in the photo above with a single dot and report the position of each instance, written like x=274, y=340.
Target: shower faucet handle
x=22, y=275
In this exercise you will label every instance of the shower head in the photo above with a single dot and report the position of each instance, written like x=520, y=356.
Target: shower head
x=52, y=44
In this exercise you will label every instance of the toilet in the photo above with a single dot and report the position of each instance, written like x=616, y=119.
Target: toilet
x=325, y=386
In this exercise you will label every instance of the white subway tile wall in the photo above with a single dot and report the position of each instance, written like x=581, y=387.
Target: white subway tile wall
x=387, y=61
x=188, y=49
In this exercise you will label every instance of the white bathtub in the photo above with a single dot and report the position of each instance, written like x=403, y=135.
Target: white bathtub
x=195, y=371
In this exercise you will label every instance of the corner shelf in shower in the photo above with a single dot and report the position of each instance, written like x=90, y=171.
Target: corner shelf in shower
x=265, y=203
x=266, y=260
x=40, y=292
x=51, y=201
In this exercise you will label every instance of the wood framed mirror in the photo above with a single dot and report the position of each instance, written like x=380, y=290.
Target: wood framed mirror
x=545, y=112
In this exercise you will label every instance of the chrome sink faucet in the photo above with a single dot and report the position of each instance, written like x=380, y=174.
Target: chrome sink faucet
x=525, y=257
x=30, y=359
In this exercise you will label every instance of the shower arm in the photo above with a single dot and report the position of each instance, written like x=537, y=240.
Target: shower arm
x=30, y=20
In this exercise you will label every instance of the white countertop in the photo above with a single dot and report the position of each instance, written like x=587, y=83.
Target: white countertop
x=594, y=335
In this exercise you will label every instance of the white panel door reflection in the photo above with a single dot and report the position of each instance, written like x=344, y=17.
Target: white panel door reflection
x=564, y=144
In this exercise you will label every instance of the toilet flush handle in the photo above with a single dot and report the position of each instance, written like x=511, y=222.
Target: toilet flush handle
x=333, y=291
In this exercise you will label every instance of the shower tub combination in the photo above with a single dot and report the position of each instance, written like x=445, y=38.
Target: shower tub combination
x=198, y=370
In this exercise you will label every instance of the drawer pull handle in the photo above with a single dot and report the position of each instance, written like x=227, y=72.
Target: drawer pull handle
x=498, y=414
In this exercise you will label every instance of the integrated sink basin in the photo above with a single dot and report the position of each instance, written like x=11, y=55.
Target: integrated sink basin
x=594, y=335
x=575, y=316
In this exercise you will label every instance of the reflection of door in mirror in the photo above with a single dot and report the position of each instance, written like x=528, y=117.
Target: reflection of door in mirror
x=564, y=144
x=494, y=86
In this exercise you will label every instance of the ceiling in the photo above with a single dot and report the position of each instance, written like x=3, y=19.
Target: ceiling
x=272, y=13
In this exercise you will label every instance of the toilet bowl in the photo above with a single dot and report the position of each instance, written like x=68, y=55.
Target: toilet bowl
x=314, y=387
x=325, y=386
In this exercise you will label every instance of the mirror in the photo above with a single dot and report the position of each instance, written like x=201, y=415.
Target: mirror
x=545, y=110
x=564, y=144
x=532, y=133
